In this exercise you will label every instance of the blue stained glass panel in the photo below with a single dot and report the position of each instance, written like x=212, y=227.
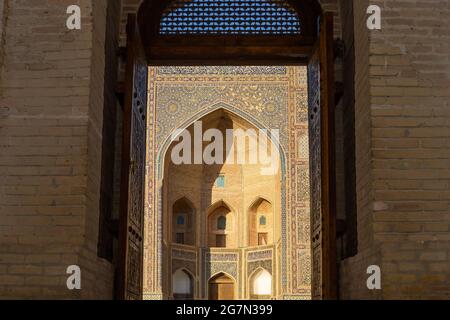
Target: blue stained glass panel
x=242, y=17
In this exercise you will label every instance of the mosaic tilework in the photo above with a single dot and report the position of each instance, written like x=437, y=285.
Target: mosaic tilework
x=259, y=255
x=177, y=103
x=304, y=262
x=269, y=96
x=221, y=257
x=217, y=70
x=253, y=265
x=184, y=254
x=183, y=264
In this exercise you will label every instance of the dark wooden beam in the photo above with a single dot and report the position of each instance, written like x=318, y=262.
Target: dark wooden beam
x=228, y=55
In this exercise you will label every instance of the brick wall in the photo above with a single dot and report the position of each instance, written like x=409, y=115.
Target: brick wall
x=51, y=122
x=402, y=148
x=410, y=147
x=50, y=131
x=353, y=270
x=98, y=275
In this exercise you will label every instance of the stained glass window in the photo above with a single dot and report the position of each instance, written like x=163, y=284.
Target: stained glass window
x=220, y=181
x=243, y=17
x=262, y=220
x=222, y=223
x=180, y=220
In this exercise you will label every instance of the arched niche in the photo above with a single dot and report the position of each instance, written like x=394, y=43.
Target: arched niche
x=261, y=284
x=216, y=190
x=221, y=287
x=221, y=226
x=260, y=223
x=182, y=285
x=183, y=222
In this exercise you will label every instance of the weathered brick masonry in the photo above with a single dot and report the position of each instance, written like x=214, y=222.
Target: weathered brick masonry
x=409, y=78
x=50, y=141
x=402, y=151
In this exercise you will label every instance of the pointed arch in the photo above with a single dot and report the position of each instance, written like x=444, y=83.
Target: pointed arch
x=217, y=204
x=261, y=283
x=186, y=270
x=220, y=273
x=221, y=286
x=258, y=199
x=251, y=120
x=221, y=225
x=183, y=284
x=260, y=233
x=183, y=221
x=187, y=199
x=209, y=110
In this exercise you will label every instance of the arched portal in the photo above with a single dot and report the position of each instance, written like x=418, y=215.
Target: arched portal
x=261, y=284
x=182, y=285
x=221, y=287
x=264, y=49
x=221, y=191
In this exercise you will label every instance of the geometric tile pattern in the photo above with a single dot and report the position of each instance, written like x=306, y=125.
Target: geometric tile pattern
x=276, y=97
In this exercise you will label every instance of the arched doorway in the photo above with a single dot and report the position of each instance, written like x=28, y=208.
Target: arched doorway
x=221, y=194
x=303, y=47
x=182, y=285
x=261, y=284
x=221, y=287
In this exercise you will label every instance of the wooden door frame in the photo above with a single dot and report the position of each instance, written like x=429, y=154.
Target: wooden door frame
x=329, y=164
x=230, y=280
x=124, y=176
